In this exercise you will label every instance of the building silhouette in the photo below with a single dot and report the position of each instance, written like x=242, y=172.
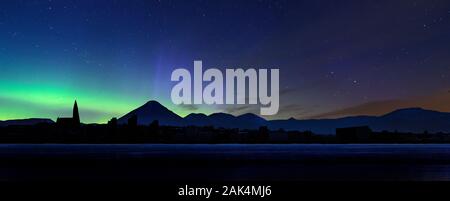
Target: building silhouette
x=70, y=122
x=353, y=134
x=75, y=114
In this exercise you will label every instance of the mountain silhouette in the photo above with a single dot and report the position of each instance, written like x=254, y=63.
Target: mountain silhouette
x=22, y=122
x=249, y=121
x=150, y=111
x=197, y=119
x=224, y=120
x=415, y=120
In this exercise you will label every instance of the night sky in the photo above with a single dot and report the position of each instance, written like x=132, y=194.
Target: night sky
x=336, y=58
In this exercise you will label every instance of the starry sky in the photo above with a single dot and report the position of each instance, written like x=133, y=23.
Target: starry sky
x=336, y=58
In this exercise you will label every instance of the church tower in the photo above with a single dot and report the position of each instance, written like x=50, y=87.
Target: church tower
x=76, y=115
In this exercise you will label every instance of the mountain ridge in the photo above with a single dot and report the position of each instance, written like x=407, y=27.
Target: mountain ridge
x=416, y=120
x=150, y=111
x=29, y=121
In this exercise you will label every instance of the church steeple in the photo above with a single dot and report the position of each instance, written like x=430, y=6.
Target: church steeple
x=76, y=115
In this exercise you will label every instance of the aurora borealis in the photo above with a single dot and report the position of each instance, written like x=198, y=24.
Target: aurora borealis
x=335, y=58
